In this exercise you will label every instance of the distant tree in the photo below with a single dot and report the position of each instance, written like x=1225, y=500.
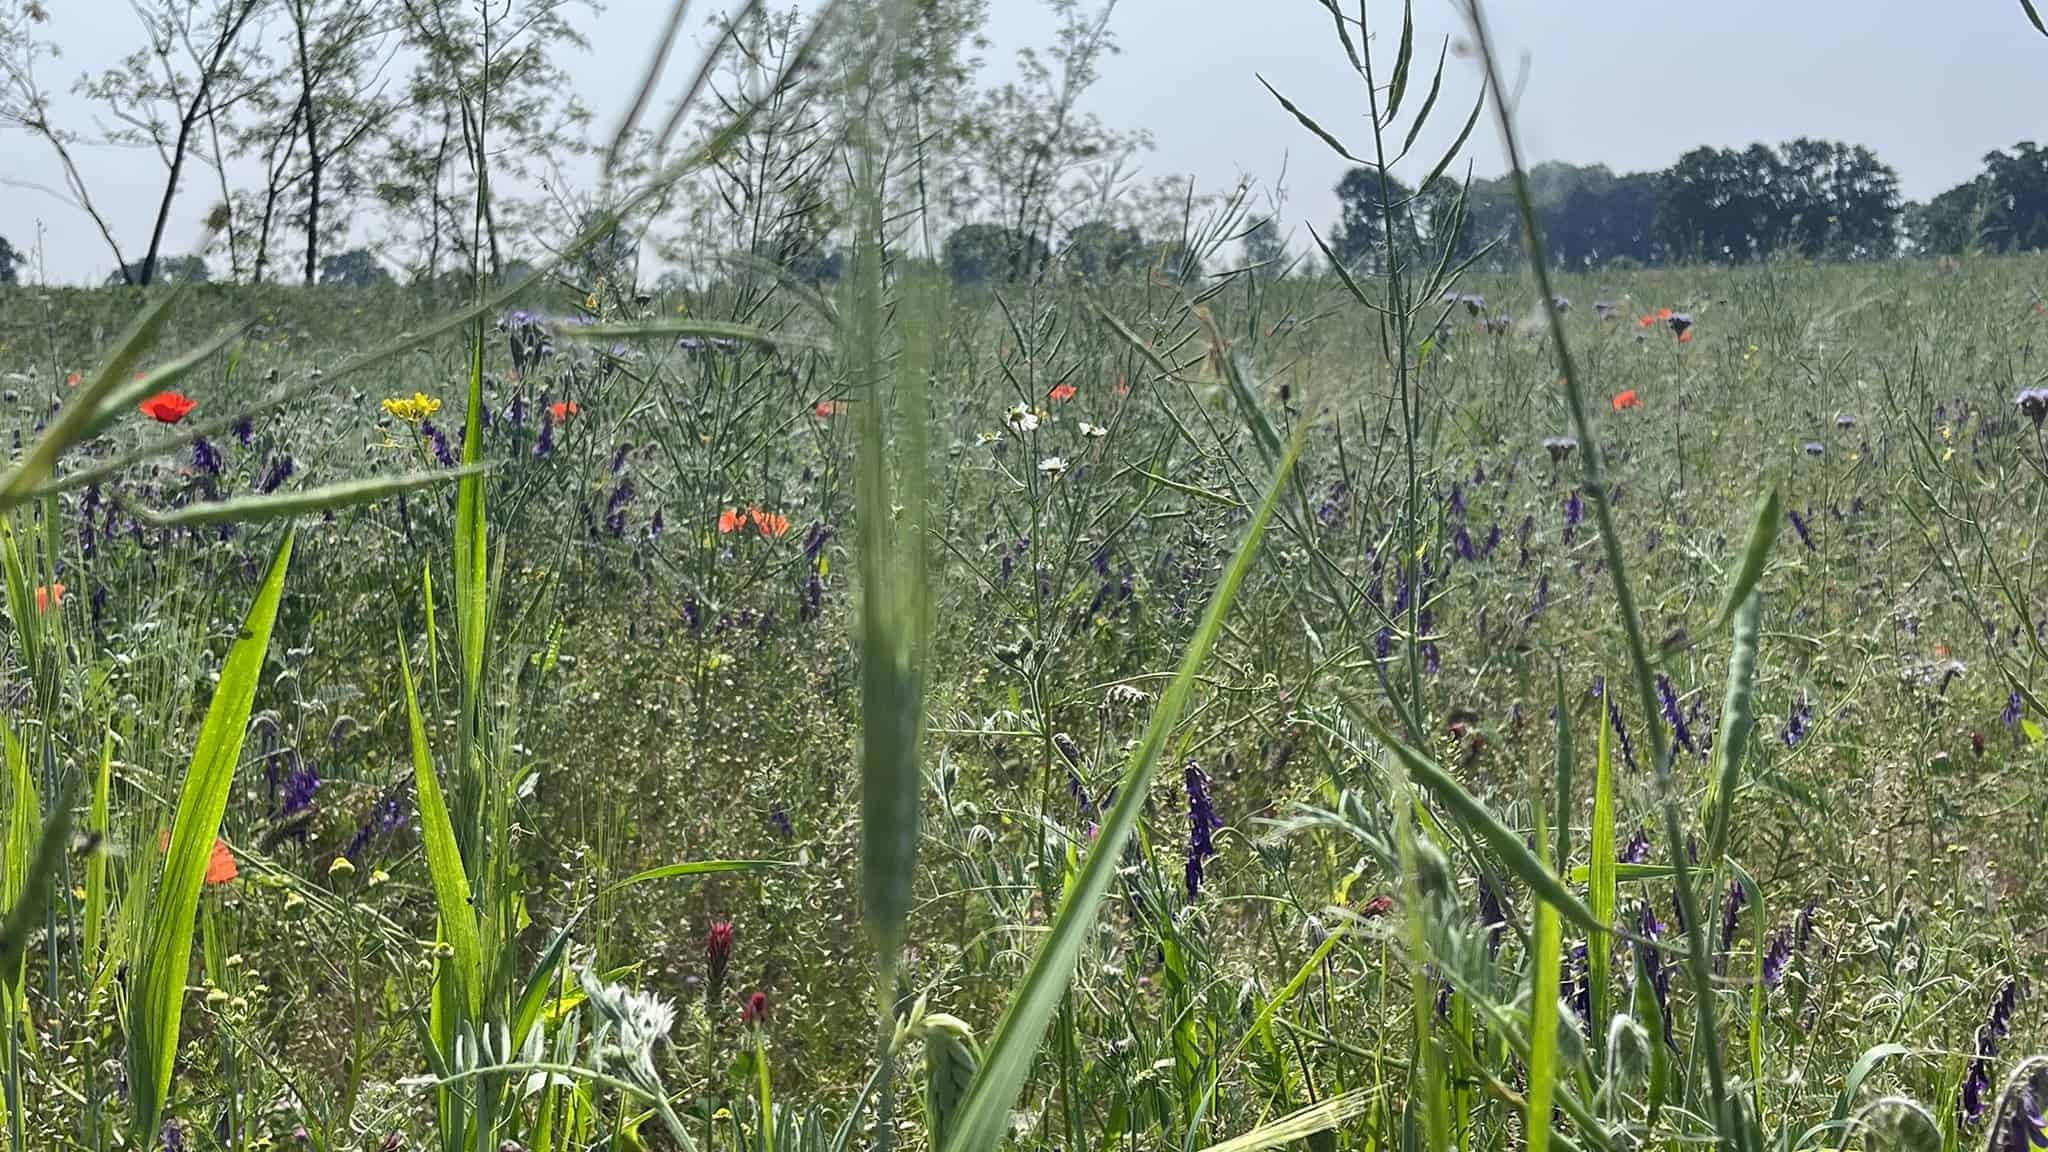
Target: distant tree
x=1952, y=223
x=1720, y=204
x=9, y=261
x=168, y=270
x=1837, y=201
x=2015, y=198
x=1264, y=249
x=1359, y=240
x=981, y=253
x=356, y=268
x=1100, y=248
x=171, y=96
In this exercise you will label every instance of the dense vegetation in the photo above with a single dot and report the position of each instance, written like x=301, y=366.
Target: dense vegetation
x=1167, y=705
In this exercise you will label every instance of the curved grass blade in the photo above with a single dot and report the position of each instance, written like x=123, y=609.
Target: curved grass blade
x=1858, y=1072
x=709, y=329
x=1481, y=822
x=1548, y=950
x=698, y=868
x=157, y=996
x=1398, y=87
x=984, y=1116
x=457, y=918
x=1321, y=1116
x=283, y=505
x=1600, y=868
x=1763, y=532
x=75, y=421
x=23, y=820
x=1737, y=717
x=2034, y=16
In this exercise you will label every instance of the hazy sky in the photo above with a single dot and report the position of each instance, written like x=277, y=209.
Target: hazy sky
x=1929, y=85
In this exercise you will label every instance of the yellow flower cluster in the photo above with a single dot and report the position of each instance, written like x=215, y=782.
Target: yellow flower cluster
x=412, y=409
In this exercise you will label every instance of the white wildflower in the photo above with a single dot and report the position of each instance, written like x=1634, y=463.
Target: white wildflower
x=1021, y=419
x=1053, y=466
x=1093, y=431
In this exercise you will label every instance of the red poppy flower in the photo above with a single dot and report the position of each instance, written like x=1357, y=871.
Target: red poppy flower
x=755, y=1013
x=731, y=520
x=220, y=867
x=1627, y=399
x=773, y=524
x=1685, y=337
x=1061, y=393
x=562, y=409
x=1378, y=906
x=824, y=409
x=71, y=381
x=46, y=596
x=167, y=407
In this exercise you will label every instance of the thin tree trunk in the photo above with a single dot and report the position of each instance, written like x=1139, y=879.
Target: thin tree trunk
x=313, y=157
x=229, y=34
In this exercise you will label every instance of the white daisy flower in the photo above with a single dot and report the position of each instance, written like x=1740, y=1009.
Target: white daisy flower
x=1053, y=466
x=1021, y=419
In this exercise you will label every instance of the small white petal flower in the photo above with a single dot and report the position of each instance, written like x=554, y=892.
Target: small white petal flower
x=1053, y=465
x=1021, y=419
x=1093, y=431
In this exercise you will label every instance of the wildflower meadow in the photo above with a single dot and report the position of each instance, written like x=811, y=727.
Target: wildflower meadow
x=1420, y=697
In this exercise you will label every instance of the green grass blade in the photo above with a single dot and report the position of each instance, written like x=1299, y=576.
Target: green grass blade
x=23, y=820
x=984, y=1116
x=124, y=398
x=1562, y=779
x=157, y=995
x=96, y=863
x=38, y=884
x=2034, y=16
x=457, y=919
x=1858, y=1072
x=284, y=505
x=472, y=556
x=1481, y=822
x=76, y=420
x=1404, y=59
x=1322, y=1116
x=1763, y=532
x=1548, y=954
x=712, y=329
x=1737, y=716
x=1600, y=886
x=698, y=868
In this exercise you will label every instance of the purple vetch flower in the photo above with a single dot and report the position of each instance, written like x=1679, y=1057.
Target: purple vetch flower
x=280, y=470
x=205, y=457
x=1456, y=503
x=779, y=820
x=1997, y=1023
x=545, y=442
x=1493, y=919
x=1797, y=723
x=1636, y=850
x=438, y=442
x=1461, y=545
x=1799, y=526
x=814, y=541
x=2013, y=709
x=244, y=431
x=387, y=816
x=2025, y=1129
x=299, y=786
x=1578, y=979
x=1628, y=752
x=1731, y=913
x=1650, y=963
x=1776, y=957
x=1668, y=697
x=1202, y=825
x=655, y=527
x=1574, y=514
x=615, y=508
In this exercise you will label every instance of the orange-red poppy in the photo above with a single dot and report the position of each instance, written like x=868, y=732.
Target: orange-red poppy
x=167, y=407
x=1061, y=393
x=731, y=520
x=562, y=409
x=48, y=595
x=220, y=867
x=1685, y=337
x=824, y=409
x=71, y=381
x=1657, y=317
x=1627, y=399
x=773, y=524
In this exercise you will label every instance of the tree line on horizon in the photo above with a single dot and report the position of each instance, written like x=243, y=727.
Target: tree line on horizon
x=1814, y=199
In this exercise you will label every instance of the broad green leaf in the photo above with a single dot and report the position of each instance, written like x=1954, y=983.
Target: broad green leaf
x=157, y=994
x=985, y=1114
